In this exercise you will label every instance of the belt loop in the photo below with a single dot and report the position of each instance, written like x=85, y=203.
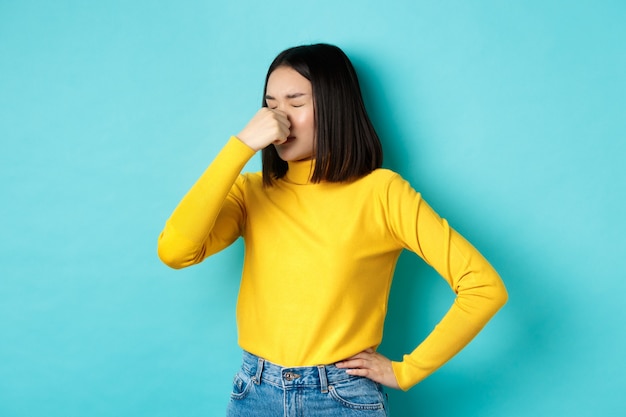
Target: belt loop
x=323, y=380
x=259, y=371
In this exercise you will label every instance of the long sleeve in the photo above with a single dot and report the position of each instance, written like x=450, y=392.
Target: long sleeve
x=210, y=216
x=480, y=292
x=339, y=240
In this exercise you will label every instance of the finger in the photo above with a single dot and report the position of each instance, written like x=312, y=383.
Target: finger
x=282, y=125
x=365, y=355
x=278, y=112
x=359, y=372
x=280, y=116
x=353, y=363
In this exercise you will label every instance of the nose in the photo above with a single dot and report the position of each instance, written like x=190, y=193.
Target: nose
x=285, y=109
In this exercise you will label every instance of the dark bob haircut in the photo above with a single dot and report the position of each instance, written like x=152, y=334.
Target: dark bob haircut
x=347, y=146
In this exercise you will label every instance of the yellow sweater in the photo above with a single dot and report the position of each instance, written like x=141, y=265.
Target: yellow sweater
x=319, y=260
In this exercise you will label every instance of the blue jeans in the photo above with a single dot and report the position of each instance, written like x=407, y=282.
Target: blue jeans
x=263, y=389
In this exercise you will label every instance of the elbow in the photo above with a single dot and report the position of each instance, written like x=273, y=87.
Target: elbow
x=489, y=293
x=498, y=293
x=171, y=262
x=504, y=297
x=482, y=295
x=175, y=254
x=169, y=259
x=493, y=297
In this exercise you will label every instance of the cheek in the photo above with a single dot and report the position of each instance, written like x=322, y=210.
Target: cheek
x=302, y=119
x=306, y=121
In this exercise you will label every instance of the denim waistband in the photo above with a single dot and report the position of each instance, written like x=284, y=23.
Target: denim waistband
x=321, y=376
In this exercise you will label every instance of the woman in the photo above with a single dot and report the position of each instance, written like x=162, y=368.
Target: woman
x=323, y=227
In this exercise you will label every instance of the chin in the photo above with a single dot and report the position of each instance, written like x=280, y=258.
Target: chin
x=294, y=157
x=294, y=150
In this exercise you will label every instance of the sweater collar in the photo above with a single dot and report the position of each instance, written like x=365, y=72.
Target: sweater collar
x=300, y=172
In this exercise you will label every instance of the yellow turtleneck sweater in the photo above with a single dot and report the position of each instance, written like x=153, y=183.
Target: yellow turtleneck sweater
x=319, y=259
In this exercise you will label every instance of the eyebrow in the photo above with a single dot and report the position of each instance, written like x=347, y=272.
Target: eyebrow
x=288, y=96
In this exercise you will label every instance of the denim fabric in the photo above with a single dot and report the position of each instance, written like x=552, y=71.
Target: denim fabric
x=263, y=389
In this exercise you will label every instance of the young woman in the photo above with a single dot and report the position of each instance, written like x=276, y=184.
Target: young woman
x=323, y=227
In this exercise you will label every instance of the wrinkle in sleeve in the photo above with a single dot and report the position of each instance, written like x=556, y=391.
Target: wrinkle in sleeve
x=480, y=292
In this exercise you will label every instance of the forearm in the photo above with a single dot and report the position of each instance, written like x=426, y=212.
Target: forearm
x=181, y=242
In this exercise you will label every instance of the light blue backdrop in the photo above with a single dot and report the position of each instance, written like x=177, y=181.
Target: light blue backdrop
x=509, y=116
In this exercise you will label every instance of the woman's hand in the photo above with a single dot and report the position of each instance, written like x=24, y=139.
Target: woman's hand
x=370, y=364
x=266, y=127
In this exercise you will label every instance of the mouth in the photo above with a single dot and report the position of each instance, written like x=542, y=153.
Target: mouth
x=290, y=139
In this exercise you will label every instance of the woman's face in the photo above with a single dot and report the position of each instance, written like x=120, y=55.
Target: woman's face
x=291, y=93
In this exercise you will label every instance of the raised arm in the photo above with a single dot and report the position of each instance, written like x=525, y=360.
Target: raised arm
x=210, y=216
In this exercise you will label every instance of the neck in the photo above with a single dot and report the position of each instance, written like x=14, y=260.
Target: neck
x=300, y=172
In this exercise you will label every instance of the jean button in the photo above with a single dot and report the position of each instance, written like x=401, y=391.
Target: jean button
x=290, y=376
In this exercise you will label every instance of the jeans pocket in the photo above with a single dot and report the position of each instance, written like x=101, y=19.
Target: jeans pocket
x=358, y=394
x=241, y=386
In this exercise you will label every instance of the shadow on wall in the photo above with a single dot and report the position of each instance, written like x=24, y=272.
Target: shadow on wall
x=521, y=346
x=520, y=350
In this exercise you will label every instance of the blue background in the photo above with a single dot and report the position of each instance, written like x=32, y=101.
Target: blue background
x=508, y=116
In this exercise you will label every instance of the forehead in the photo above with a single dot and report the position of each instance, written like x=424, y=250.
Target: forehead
x=285, y=81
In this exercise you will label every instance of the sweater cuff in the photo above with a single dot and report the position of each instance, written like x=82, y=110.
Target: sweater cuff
x=404, y=375
x=238, y=146
x=232, y=158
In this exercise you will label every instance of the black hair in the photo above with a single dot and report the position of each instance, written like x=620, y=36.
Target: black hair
x=346, y=144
